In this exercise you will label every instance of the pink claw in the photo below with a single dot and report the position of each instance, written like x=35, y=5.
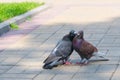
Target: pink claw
x=68, y=63
x=78, y=63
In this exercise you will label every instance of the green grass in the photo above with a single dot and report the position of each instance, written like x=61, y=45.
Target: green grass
x=9, y=10
x=14, y=26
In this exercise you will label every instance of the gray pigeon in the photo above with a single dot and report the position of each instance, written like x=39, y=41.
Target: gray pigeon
x=61, y=52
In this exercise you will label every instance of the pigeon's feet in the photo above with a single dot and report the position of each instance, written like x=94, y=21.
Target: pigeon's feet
x=68, y=63
x=83, y=62
x=86, y=62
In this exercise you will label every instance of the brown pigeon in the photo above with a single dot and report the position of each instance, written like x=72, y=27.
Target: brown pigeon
x=85, y=49
x=61, y=52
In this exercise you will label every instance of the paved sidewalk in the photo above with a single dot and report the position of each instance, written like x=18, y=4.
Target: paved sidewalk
x=23, y=51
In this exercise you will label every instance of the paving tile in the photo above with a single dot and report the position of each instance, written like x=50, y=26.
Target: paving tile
x=117, y=41
x=107, y=41
x=13, y=79
x=67, y=69
x=44, y=77
x=35, y=54
x=3, y=67
x=111, y=36
x=22, y=76
x=10, y=61
x=17, y=69
x=33, y=70
x=2, y=71
x=88, y=68
x=31, y=62
x=117, y=69
x=62, y=76
x=113, y=48
x=92, y=76
x=116, y=76
x=106, y=68
x=109, y=45
x=113, y=53
x=14, y=53
x=97, y=36
x=97, y=31
x=2, y=58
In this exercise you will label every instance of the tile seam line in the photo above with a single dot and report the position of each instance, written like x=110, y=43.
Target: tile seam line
x=115, y=70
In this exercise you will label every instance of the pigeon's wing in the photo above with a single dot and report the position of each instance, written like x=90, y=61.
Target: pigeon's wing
x=62, y=49
x=51, y=58
x=87, y=48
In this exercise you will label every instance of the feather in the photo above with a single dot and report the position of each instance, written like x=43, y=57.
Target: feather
x=85, y=49
x=61, y=52
x=98, y=54
x=63, y=49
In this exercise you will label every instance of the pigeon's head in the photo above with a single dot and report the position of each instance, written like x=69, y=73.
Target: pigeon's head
x=72, y=34
x=80, y=34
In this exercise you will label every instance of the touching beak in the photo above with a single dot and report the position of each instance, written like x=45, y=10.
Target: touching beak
x=75, y=33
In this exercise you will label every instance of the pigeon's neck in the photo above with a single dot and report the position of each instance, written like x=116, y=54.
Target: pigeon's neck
x=66, y=38
x=78, y=42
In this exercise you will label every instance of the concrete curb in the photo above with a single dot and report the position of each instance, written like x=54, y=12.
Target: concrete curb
x=5, y=26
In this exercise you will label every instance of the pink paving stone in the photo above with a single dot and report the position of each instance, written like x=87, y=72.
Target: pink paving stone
x=12, y=37
x=15, y=34
x=26, y=27
x=7, y=40
x=2, y=47
x=29, y=25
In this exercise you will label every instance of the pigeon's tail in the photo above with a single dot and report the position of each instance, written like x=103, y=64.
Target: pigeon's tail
x=99, y=54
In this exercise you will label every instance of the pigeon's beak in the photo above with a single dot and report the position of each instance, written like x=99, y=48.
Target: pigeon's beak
x=78, y=34
x=75, y=33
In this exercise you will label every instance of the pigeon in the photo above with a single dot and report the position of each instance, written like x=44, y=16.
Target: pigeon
x=61, y=52
x=85, y=49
